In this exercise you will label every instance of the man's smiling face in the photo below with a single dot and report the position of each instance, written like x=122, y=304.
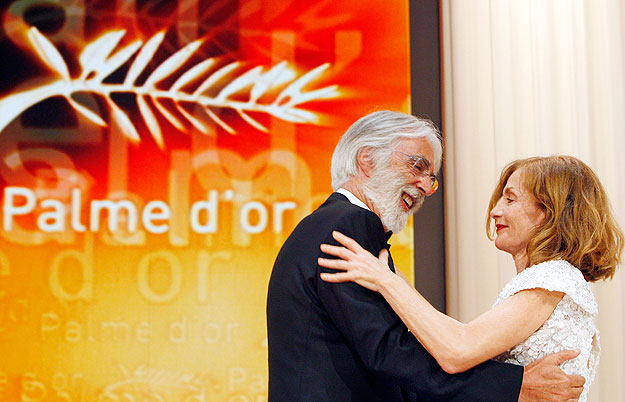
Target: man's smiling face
x=396, y=190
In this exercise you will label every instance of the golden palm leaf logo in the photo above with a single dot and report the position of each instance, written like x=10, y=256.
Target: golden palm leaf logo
x=99, y=59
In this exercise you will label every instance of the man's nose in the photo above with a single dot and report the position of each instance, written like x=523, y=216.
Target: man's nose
x=424, y=185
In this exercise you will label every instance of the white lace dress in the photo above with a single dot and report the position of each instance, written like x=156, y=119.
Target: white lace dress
x=571, y=326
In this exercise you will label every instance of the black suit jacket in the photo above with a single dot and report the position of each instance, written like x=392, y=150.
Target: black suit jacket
x=341, y=342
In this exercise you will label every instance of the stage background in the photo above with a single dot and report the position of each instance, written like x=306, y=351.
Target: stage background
x=153, y=157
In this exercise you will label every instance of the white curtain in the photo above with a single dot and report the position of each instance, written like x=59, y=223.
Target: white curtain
x=523, y=78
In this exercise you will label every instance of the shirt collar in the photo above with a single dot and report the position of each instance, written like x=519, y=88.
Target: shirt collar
x=352, y=198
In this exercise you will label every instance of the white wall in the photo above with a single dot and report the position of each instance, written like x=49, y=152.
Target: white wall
x=523, y=78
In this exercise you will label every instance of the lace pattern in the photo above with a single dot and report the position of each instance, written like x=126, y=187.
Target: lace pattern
x=571, y=326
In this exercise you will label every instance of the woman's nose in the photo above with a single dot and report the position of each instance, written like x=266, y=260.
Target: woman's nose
x=496, y=211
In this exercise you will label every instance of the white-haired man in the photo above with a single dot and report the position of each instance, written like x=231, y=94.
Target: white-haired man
x=342, y=342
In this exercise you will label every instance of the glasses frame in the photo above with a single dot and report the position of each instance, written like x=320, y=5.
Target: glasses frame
x=415, y=162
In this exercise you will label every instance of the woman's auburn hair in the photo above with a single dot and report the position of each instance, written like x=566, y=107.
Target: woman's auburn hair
x=579, y=225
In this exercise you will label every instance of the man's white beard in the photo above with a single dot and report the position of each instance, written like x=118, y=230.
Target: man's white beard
x=384, y=188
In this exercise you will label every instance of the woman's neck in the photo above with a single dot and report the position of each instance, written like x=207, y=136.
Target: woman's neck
x=521, y=261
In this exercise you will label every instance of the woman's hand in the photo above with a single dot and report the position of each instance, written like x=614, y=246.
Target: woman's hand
x=358, y=264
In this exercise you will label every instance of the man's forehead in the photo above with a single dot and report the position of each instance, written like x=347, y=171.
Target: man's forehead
x=416, y=146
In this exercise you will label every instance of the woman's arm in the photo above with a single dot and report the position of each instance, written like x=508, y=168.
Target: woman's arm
x=455, y=346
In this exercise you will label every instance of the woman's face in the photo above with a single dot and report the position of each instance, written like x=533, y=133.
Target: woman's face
x=516, y=215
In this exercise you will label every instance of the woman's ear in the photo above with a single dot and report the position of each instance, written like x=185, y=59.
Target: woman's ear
x=366, y=163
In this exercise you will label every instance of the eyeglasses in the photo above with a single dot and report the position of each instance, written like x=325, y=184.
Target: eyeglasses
x=420, y=166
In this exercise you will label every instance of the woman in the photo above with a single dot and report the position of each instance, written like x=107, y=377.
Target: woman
x=553, y=216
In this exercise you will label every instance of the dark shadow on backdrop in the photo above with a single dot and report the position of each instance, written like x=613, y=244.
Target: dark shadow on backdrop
x=429, y=222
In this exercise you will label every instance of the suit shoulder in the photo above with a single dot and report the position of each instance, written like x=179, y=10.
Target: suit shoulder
x=343, y=213
x=358, y=223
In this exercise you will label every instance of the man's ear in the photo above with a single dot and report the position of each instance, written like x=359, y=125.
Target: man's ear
x=365, y=160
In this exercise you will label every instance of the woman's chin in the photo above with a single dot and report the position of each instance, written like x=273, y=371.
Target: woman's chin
x=501, y=245
x=513, y=250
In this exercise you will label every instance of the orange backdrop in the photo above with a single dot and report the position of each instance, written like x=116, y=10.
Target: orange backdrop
x=153, y=158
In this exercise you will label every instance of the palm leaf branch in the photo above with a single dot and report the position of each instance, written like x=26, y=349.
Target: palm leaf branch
x=99, y=60
x=48, y=53
x=146, y=54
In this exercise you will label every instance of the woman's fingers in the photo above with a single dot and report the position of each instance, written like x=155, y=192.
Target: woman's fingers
x=333, y=263
x=346, y=241
x=337, y=251
x=340, y=277
x=335, y=278
x=383, y=256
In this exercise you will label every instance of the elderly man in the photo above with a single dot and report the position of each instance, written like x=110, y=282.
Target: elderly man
x=341, y=342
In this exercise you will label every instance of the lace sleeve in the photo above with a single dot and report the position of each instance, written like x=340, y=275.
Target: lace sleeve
x=557, y=276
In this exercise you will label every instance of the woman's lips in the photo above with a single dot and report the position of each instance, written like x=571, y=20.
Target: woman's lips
x=499, y=227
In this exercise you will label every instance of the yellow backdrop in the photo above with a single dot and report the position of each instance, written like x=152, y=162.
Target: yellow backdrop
x=153, y=158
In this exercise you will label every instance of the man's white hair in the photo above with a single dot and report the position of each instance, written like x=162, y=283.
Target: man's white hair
x=379, y=130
